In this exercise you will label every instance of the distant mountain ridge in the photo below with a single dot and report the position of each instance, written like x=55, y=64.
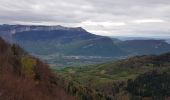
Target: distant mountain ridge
x=140, y=47
x=22, y=28
x=8, y=30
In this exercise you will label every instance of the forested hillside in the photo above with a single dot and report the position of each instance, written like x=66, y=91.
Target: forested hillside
x=23, y=77
x=134, y=78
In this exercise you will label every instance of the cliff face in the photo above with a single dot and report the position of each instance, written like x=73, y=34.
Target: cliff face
x=23, y=77
x=13, y=29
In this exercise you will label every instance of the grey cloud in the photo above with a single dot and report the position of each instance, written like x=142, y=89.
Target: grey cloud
x=76, y=12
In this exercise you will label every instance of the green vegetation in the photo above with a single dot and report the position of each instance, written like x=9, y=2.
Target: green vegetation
x=121, y=79
x=154, y=84
x=101, y=74
x=28, y=64
x=85, y=93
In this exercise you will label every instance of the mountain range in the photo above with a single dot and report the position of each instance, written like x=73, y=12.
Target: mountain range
x=65, y=41
x=54, y=39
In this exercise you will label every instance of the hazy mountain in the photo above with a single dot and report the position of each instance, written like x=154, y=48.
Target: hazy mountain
x=168, y=40
x=124, y=38
x=140, y=47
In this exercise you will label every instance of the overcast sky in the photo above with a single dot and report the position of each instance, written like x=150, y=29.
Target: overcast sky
x=103, y=17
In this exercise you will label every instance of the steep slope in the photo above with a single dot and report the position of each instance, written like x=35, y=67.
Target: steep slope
x=23, y=77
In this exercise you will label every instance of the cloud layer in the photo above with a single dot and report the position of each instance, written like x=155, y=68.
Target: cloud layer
x=105, y=17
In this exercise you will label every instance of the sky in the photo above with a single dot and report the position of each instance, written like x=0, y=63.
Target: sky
x=139, y=18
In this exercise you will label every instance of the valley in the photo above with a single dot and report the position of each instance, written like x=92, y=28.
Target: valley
x=84, y=50
x=60, y=61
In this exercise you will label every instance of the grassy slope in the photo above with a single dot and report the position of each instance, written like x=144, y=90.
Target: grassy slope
x=101, y=74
